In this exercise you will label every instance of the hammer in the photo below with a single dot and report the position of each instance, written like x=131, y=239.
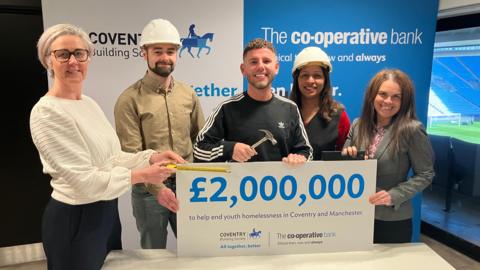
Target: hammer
x=268, y=136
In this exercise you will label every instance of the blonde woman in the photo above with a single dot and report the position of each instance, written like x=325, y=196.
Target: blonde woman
x=81, y=152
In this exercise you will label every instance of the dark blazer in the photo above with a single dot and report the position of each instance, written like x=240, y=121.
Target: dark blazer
x=393, y=170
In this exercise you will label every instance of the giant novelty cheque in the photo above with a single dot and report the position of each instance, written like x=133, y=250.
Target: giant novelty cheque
x=272, y=208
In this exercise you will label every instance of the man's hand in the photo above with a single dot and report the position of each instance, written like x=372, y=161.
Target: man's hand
x=294, y=159
x=243, y=152
x=166, y=156
x=166, y=197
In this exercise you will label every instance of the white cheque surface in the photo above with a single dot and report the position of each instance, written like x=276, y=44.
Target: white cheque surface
x=391, y=257
x=263, y=208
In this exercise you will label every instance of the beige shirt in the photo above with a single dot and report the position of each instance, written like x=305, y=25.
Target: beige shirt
x=149, y=117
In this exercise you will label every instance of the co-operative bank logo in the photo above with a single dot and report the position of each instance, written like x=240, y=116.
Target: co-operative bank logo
x=195, y=41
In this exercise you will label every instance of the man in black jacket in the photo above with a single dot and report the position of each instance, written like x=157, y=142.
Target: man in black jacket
x=234, y=125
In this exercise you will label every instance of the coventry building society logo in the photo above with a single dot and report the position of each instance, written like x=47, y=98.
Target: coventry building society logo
x=195, y=41
x=255, y=234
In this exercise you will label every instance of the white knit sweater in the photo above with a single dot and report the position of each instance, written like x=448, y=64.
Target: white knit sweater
x=80, y=150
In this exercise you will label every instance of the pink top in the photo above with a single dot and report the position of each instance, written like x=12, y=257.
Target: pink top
x=379, y=133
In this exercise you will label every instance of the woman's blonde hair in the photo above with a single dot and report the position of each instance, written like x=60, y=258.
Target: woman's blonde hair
x=52, y=33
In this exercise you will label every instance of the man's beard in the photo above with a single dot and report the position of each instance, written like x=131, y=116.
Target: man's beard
x=162, y=70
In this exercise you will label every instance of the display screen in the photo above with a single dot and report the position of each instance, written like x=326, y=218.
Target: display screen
x=454, y=103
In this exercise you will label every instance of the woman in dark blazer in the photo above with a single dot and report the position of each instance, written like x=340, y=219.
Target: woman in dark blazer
x=388, y=130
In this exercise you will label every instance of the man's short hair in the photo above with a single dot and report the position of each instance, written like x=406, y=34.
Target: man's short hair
x=258, y=43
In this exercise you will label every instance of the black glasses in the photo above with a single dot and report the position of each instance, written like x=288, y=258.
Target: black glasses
x=64, y=55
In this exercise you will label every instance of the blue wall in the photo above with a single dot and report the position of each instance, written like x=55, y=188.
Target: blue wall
x=390, y=34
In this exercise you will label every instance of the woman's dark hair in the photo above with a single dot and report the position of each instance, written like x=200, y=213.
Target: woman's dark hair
x=401, y=122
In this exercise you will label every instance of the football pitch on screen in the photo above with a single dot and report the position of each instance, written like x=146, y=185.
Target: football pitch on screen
x=465, y=132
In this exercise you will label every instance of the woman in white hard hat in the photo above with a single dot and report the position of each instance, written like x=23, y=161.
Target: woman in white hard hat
x=325, y=120
x=80, y=150
x=388, y=130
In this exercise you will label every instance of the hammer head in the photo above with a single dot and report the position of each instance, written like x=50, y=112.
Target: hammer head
x=269, y=136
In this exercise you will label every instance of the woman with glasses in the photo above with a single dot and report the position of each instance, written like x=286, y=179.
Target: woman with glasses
x=388, y=130
x=81, y=152
x=325, y=120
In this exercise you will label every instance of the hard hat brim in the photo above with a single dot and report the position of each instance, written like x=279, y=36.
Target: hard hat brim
x=316, y=63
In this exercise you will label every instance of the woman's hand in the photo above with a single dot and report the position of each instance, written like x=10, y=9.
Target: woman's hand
x=349, y=151
x=380, y=198
x=352, y=152
x=153, y=174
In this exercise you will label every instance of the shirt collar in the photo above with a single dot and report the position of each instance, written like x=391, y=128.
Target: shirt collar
x=151, y=81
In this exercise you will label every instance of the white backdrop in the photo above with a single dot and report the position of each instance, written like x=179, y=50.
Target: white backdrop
x=108, y=76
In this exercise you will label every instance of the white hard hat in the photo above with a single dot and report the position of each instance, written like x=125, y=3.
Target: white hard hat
x=312, y=55
x=159, y=31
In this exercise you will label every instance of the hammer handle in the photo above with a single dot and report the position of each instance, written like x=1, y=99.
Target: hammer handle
x=259, y=142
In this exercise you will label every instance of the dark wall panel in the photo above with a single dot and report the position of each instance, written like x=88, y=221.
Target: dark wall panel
x=24, y=189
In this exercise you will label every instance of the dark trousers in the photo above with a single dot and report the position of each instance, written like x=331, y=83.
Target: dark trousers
x=152, y=218
x=80, y=236
x=392, y=231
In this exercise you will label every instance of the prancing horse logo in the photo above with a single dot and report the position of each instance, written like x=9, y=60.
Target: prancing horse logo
x=255, y=234
x=195, y=41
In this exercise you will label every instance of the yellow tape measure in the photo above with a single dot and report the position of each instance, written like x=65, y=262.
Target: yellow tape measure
x=198, y=168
